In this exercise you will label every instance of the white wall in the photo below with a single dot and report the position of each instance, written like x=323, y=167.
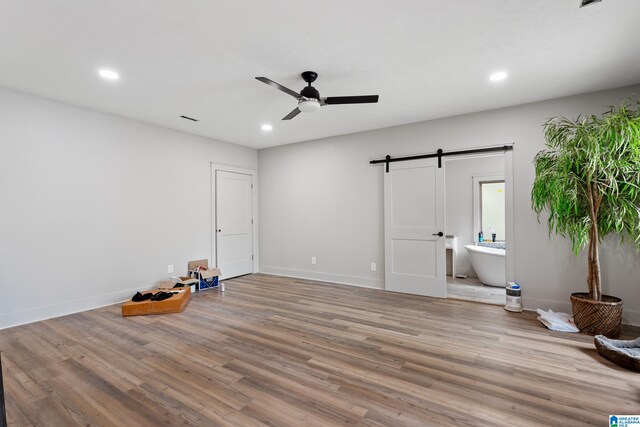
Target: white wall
x=95, y=206
x=322, y=198
x=459, y=173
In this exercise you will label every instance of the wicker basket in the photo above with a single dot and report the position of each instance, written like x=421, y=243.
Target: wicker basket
x=597, y=317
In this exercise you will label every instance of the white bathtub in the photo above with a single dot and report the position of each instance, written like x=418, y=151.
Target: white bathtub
x=489, y=264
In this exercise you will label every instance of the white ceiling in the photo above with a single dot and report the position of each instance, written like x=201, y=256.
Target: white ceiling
x=425, y=58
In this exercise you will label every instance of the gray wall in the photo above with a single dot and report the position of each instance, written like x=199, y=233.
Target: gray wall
x=95, y=206
x=459, y=173
x=322, y=198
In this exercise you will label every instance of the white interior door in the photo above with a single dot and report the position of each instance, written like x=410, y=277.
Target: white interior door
x=234, y=223
x=413, y=218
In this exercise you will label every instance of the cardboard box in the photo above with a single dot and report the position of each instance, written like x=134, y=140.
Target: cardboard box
x=208, y=282
x=175, y=304
x=207, y=278
x=186, y=281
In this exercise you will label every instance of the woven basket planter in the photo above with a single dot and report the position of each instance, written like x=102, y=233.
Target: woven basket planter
x=597, y=317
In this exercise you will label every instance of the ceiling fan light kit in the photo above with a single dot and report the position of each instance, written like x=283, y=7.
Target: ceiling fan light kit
x=309, y=105
x=309, y=98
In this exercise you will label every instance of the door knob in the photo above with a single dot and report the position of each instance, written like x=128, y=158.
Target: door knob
x=440, y=233
x=219, y=230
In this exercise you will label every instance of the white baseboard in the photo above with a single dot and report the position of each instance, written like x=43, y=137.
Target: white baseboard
x=628, y=317
x=16, y=318
x=343, y=279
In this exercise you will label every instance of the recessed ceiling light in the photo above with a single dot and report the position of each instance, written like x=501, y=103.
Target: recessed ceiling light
x=108, y=74
x=496, y=77
x=266, y=128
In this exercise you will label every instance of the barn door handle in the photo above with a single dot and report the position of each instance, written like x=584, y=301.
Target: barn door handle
x=440, y=234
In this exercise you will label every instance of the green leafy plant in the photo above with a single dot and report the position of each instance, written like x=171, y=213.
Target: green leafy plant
x=588, y=179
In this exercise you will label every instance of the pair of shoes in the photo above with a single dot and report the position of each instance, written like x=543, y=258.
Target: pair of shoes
x=161, y=296
x=140, y=297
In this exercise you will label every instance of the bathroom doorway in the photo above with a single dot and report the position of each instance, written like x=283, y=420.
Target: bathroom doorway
x=479, y=225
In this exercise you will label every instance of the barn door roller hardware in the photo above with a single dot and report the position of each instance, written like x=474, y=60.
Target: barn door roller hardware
x=440, y=154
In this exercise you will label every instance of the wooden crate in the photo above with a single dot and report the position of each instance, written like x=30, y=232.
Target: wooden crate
x=175, y=304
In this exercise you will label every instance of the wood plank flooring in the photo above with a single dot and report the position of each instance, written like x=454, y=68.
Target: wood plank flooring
x=286, y=352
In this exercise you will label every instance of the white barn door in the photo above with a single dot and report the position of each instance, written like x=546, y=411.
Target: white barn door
x=234, y=223
x=414, y=209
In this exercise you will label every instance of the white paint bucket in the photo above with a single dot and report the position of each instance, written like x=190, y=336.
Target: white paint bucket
x=514, y=298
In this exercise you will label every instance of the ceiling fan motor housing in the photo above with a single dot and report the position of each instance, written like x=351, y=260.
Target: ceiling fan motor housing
x=310, y=92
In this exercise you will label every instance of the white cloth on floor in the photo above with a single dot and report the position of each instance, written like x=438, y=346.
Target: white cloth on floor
x=561, y=322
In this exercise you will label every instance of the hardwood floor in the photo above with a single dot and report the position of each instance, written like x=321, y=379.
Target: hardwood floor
x=288, y=352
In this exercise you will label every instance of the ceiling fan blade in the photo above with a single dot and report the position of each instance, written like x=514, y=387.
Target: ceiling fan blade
x=292, y=114
x=278, y=86
x=365, y=99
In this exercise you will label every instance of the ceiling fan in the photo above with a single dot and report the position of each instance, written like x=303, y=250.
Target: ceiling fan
x=309, y=98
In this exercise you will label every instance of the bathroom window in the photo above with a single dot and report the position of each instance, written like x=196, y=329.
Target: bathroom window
x=492, y=209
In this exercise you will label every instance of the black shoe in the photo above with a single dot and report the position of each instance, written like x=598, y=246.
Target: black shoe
x=161, y=296
x=140, y=297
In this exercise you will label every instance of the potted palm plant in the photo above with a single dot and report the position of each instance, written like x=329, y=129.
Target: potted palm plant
x=588, y=179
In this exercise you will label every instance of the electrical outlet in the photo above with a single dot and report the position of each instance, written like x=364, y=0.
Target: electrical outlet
x=314, y=261
x=373, y=266
x=170, y=269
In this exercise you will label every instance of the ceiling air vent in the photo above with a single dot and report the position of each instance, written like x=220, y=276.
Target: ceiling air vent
x=584, y=3
x=189, y=118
